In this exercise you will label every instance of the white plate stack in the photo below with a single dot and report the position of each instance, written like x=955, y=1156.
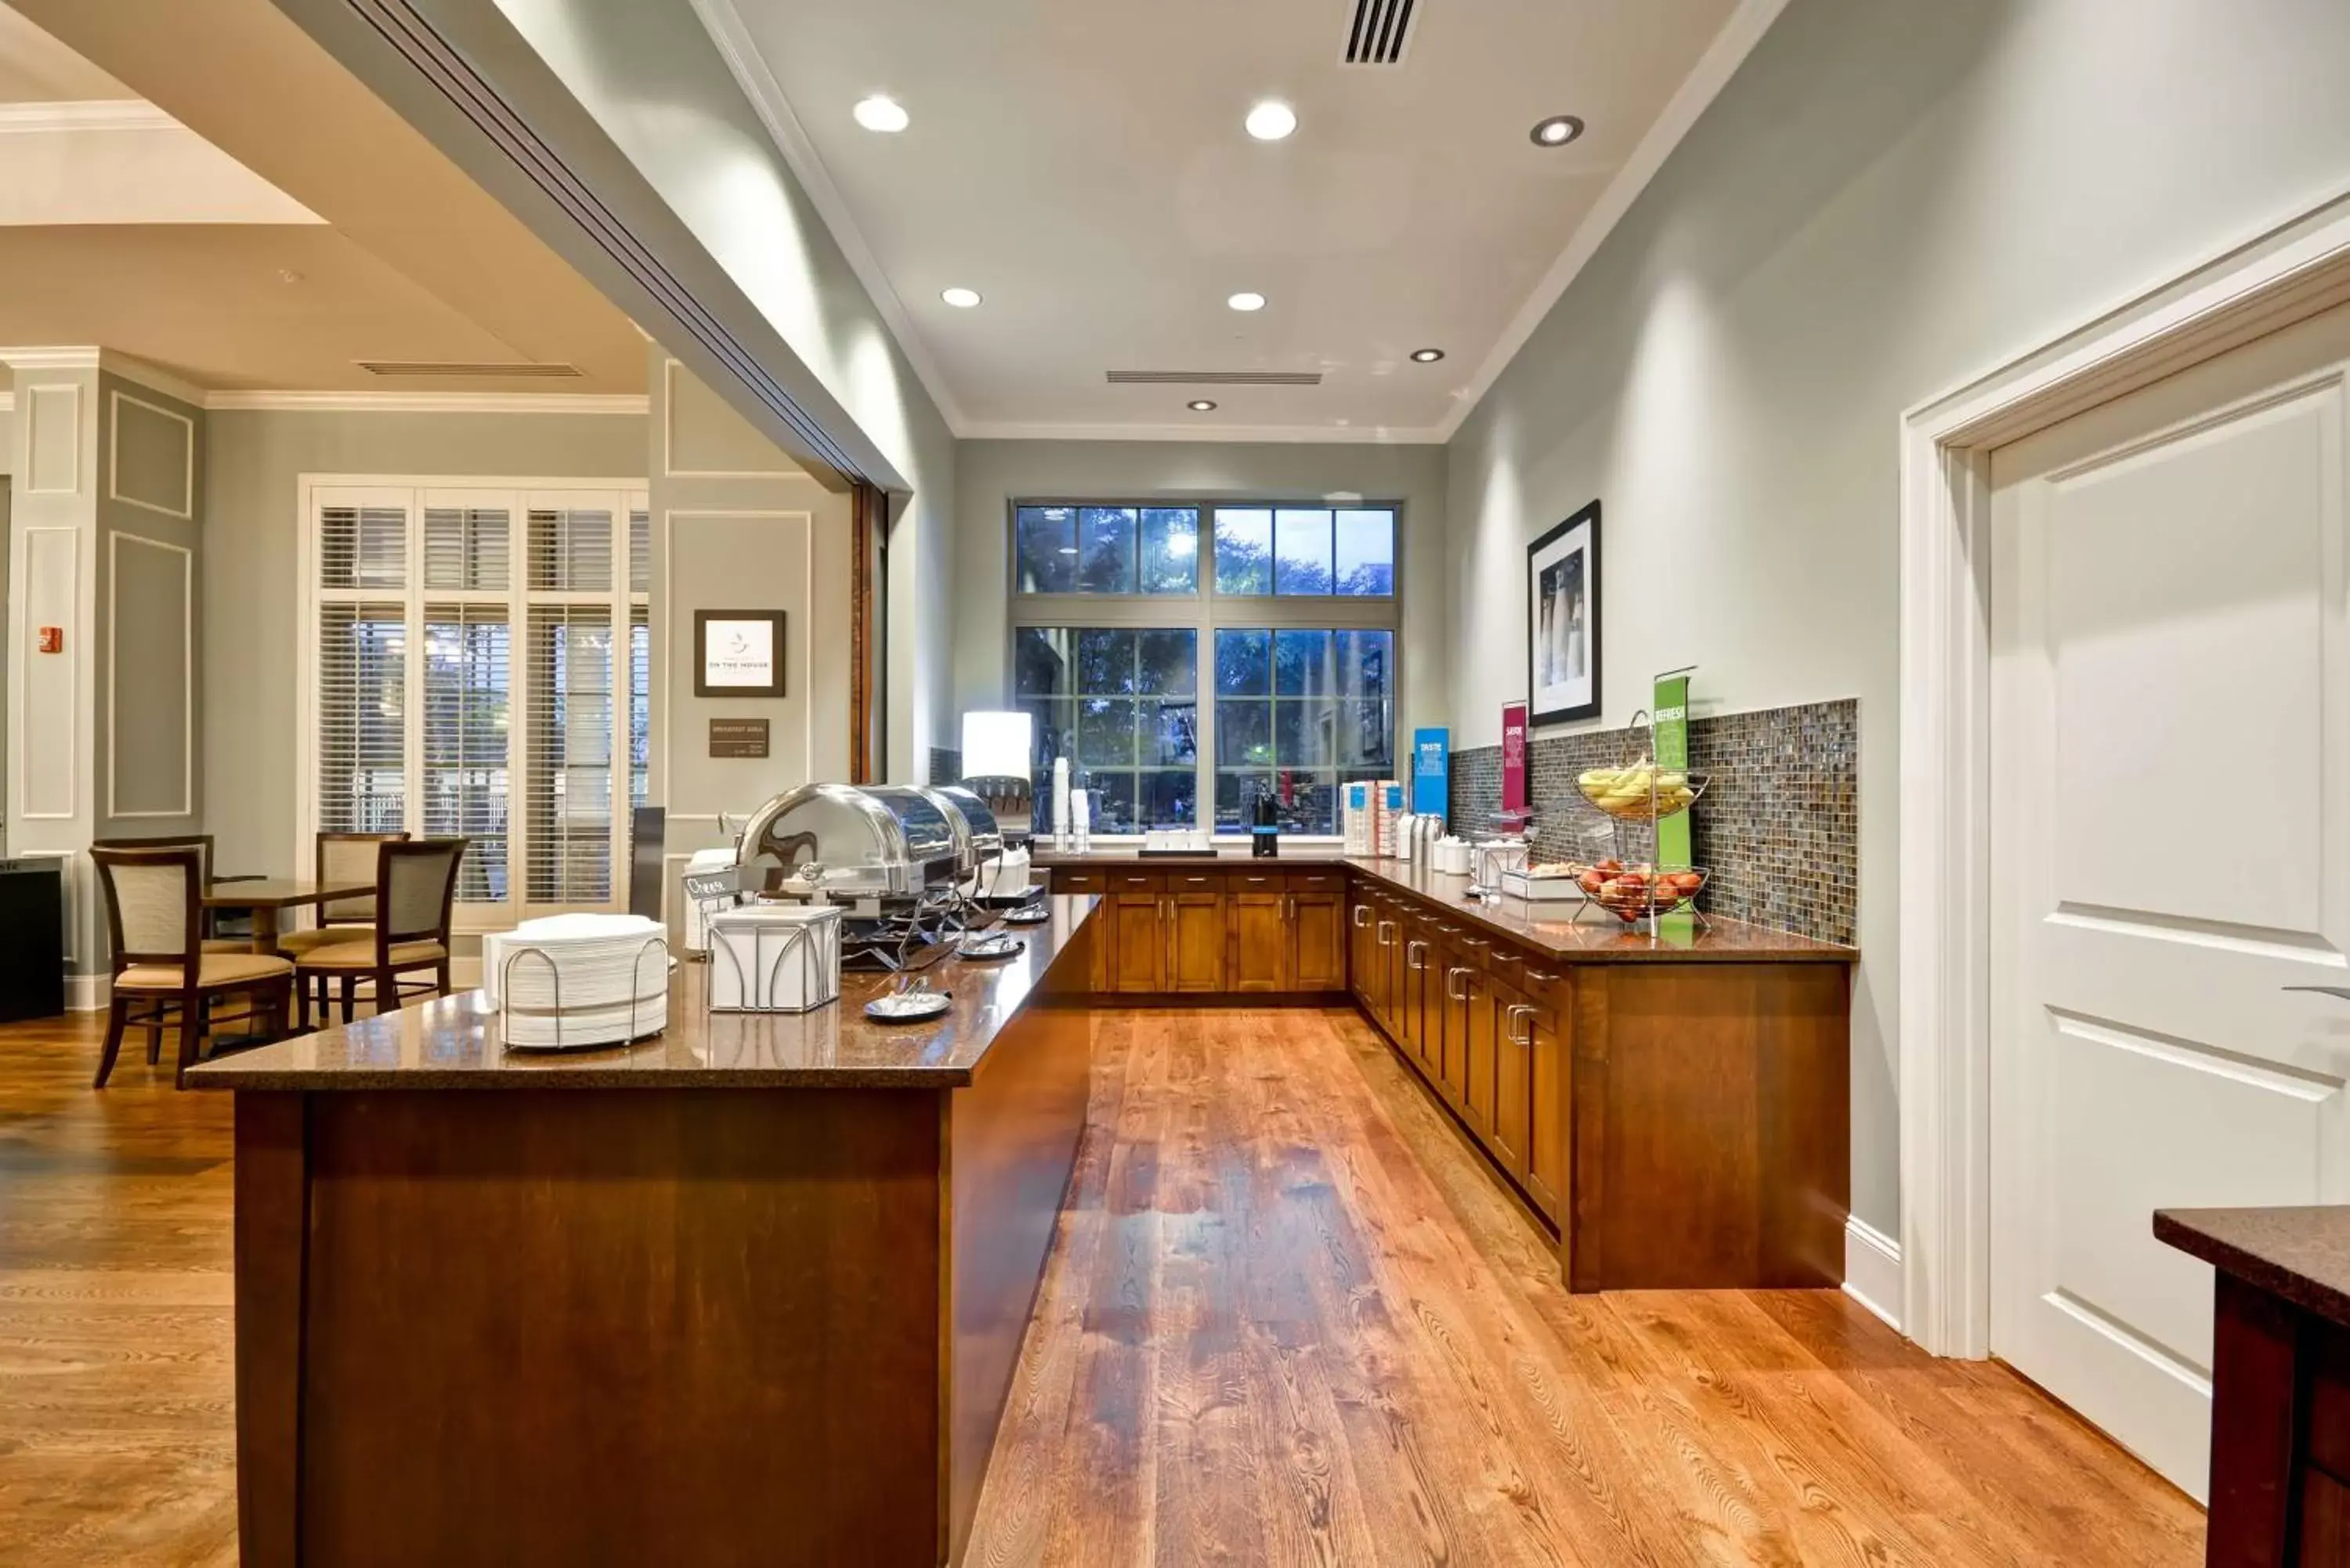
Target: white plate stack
x=570, y=981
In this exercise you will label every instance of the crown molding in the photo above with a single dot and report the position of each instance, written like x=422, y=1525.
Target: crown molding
x=375, y=403
x=1690, y=101
x=1211, y=435
x=724, y=24
x=90, y=357
x=92, y=114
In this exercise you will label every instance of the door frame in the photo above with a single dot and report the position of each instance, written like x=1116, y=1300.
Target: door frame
x=2287, y=272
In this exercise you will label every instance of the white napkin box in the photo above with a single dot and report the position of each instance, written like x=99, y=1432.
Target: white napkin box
x=775, y=957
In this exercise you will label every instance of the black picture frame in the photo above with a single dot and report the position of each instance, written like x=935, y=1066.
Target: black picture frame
x=702, y=621
x=1545, y=554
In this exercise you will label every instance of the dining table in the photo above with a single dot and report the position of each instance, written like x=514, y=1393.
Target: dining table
x=266, y=897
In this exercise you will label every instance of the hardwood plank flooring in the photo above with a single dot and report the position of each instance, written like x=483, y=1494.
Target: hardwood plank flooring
x=1290, y=1321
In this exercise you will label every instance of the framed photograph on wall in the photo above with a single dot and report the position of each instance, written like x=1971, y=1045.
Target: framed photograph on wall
x=738, y=653
x=1563, y=620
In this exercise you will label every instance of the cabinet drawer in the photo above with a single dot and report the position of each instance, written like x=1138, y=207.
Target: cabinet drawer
x=1315, y=881
x=1124, y=881
x=1193, y=881
x=1253, y=882
x=1080, y=881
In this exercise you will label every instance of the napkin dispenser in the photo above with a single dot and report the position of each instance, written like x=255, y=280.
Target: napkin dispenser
x=775, y=957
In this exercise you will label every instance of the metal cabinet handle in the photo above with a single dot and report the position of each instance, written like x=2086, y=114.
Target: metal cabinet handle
x=1461, y=994
x=1528, y=1037
x=1362, y=915
x=1195, y=881
x=1384, y=939
x=1407, y=948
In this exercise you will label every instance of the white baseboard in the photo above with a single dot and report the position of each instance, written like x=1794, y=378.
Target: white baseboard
x=89, y=993
x=1872, y=1270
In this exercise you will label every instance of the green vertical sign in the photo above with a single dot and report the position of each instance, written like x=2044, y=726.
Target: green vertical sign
x=1669, y=710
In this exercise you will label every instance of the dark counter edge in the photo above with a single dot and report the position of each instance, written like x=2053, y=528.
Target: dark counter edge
x=2259, y=1246
x=614, y=1067
x=1725, y=942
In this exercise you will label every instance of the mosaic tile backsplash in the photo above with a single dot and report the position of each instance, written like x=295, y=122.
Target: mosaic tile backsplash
x=1778, y=827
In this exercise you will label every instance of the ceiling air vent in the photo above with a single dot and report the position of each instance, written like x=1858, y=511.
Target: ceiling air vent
x=1215, y=378
x=1381, y=29
x=532, y=369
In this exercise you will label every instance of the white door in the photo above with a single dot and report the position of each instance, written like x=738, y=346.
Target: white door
x=2170, y=842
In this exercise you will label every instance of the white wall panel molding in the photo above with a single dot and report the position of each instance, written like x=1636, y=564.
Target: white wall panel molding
x=185, y=564
x=52, y=439
x=45, y=698
x=182, y=505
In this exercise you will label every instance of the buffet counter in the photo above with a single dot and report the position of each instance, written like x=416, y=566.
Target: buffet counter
x=1675, y=1108
x=751, y=1292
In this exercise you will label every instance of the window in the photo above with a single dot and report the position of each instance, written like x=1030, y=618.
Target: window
x=1283, y=616
x=465, y=658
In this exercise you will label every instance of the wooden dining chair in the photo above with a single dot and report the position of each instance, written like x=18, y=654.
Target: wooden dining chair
x=217, y=938
x=341, y=859
x=415, y=886
x=163, y=971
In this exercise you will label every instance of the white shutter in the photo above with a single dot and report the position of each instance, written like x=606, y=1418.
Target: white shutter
x=569, y=782
x=640, y=550
x=466, y=776
x=571, y=548
x=465, y=547
x=362, y=717
x=362, y=545
x=640, y=698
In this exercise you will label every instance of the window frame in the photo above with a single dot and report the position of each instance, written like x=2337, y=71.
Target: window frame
x=1207, y=611
x=415, y=494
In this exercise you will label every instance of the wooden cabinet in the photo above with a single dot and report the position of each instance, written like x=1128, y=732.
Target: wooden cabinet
x=1196, y=941
x=1316, y=948
x=1421, y=1006
x=1136, y=960
x=1527, y=1135
x=1259, y=939
x=1362, y=950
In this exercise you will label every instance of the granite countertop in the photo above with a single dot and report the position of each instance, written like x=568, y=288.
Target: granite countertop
x=1227, y=854
x=1546, y=928
x=2300, y=1254
x=1595, y=939
x=452, y=1043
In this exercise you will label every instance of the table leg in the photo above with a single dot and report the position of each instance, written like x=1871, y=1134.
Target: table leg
x=264, y=930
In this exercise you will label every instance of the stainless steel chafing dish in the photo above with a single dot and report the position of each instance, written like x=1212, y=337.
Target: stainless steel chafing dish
x=977, y=838
x=869, y=843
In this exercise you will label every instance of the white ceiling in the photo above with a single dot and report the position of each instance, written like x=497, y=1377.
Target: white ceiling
x=1082, y=164
x=247, y=241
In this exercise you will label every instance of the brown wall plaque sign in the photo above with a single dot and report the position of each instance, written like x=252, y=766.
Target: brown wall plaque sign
x=738, y=737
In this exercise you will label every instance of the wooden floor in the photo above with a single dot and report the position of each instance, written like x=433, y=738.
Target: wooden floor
x=1290, y=1321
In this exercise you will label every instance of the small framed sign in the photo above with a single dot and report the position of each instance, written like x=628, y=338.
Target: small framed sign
x=740, y=653
x=738, y=737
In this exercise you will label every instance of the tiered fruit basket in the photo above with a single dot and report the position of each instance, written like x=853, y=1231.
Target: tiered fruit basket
x=1609, y=870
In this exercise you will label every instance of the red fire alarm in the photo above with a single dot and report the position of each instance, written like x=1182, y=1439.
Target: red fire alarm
x=53, y=640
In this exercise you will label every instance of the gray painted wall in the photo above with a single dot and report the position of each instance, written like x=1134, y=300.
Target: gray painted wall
x=252, y=634
x=991, y=474
x=1890, y=197
x=632, y=63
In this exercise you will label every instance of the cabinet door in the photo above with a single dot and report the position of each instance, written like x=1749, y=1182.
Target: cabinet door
x=1472, y=1058
x=1196, y=939
x=1545, y=1047
x=1394, y=991
x=1362, y=948
x=1511, y=1130
x=1257, y=939
x=1316, y=948
x=1137, y=946
x=1422, y=1004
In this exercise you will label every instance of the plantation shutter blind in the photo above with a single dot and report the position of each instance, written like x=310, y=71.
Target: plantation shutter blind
x=468, y=667
x=570, y=807
x=361, y=714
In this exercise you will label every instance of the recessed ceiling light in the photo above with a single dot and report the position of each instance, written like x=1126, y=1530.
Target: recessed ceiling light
x=1427, y=356
x=1271, y=121
x=1246, y=300
x=1556, y=132
x=880, y=113
x=1201, y=406
x=960, y=299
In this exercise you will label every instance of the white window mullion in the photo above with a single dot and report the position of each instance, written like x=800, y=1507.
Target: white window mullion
x=419, y=664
